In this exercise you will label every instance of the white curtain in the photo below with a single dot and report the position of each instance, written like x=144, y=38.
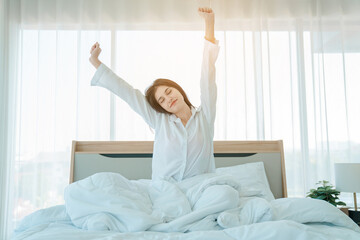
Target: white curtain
x=9, y=35
x=287, y=70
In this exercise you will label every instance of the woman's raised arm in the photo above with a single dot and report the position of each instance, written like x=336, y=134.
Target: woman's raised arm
x=208, y=73
x=106, y=78
x=209, y=17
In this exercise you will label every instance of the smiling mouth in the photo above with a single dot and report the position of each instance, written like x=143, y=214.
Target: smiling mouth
x=173, y=103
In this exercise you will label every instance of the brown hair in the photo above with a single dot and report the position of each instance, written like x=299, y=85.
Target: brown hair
x=150, y=94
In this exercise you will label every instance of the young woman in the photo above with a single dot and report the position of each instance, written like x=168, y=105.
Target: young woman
x=183, y=145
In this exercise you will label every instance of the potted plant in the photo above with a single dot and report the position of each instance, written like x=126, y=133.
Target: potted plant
x=328, y=193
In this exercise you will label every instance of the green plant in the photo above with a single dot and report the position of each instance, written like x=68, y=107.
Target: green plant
x=326, y=192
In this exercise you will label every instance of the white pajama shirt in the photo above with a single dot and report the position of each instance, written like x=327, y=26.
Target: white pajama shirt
x=179, y=151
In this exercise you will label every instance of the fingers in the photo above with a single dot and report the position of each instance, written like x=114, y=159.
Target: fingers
x=95, y=46
x=205, y=10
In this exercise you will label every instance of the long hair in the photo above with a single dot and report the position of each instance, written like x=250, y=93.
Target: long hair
x=150, y=93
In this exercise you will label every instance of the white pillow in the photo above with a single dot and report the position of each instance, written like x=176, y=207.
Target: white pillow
x=252, y=179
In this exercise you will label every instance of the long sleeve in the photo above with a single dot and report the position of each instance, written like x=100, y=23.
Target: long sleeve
x=207, y=81
x=106, y=78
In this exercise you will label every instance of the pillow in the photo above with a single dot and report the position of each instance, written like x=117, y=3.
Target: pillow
x=252, y=179
x=309, y=210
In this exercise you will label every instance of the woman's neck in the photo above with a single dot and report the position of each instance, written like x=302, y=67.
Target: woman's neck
x=184, y=114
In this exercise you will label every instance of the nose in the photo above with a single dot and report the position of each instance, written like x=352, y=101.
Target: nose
x=170, y=99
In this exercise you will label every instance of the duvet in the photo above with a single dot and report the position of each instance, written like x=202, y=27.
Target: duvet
x=209, y=206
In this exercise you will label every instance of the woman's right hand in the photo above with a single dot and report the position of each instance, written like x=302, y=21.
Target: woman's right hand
x=95, y=52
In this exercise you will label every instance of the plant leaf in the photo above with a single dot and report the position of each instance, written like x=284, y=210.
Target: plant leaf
x=322, y=197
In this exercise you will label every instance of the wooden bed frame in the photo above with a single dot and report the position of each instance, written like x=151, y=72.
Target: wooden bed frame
x=133, y=159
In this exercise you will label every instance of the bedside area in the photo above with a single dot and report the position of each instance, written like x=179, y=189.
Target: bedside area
x=355, y=216
x=347, y=178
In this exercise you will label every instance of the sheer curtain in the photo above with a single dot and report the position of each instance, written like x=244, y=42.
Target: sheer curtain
x=286, y=70
x=9, y=30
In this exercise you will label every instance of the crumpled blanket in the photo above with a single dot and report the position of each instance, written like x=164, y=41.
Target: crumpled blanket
x=108, y=201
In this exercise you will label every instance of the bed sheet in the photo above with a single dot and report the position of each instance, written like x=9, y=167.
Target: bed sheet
x=278, y=230
x=211, y=206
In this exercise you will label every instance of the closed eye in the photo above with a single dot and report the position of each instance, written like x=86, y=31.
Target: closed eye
x=167, y=92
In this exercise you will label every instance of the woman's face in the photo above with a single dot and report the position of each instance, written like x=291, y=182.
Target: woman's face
x=169, y=98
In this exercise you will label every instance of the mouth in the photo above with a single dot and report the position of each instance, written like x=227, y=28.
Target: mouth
x=172, y=104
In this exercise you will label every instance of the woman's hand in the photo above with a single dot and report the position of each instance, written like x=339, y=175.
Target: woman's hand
x=95, y=52
x=208, y=15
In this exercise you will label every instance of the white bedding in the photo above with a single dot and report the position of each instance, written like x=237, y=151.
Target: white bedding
x=209, y=206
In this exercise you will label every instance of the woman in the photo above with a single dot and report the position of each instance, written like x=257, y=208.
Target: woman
x=183, y=145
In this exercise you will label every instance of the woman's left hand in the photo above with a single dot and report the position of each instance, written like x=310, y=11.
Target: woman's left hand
x=207, y=14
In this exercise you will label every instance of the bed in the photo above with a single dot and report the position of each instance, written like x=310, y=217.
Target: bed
x=88, y=158
x=110, y=196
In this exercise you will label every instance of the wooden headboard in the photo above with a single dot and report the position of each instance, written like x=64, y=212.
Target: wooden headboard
x=132, y=159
